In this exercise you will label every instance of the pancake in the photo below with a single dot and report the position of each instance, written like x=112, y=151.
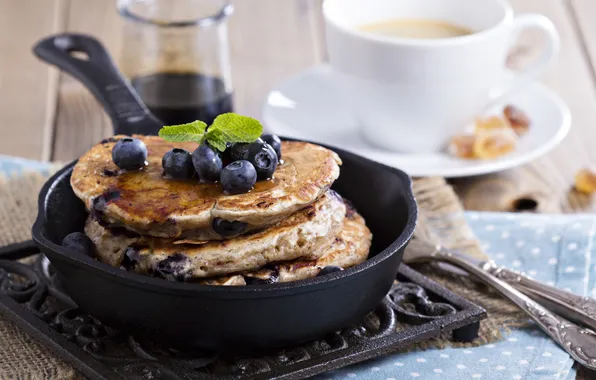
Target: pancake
x=350, y=247
x=147, y=203
x=306, y=234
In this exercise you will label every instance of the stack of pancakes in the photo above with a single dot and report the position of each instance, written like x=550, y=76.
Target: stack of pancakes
x=286, y=229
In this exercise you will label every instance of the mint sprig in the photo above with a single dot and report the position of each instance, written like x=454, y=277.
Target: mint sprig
x=216, y=139
x=184, y=132
x=226, y=128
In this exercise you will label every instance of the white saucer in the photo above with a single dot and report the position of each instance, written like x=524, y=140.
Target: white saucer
x=307, y=106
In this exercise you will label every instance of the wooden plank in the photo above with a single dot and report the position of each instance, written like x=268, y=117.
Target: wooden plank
x=269, y=40
x=548, y=180
x=584, y=12
x=80, y=120
x=29, y=87
x=318, y=29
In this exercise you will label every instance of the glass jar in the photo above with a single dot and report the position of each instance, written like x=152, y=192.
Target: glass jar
x=176, y=56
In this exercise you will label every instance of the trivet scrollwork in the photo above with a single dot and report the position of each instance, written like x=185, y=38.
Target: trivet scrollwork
x=37, y=290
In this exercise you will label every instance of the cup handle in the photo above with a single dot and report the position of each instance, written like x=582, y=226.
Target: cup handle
x=551, y=50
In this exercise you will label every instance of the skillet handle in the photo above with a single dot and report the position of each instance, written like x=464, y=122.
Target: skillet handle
x=101, y=76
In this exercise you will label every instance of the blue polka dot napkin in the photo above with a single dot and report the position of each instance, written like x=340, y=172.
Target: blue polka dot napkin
x=555, y=249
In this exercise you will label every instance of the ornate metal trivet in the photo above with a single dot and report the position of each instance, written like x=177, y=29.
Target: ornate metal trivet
x=415, y=309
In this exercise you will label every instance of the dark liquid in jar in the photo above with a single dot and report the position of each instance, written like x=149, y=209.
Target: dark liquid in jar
x=177, y=98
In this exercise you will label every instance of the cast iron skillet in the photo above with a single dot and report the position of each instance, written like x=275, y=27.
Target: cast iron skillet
x=223, y=318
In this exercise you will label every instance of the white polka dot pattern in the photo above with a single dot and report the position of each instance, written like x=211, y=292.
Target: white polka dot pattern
x=554, y=250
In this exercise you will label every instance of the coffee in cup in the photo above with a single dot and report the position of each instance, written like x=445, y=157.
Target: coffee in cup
x=415, y=28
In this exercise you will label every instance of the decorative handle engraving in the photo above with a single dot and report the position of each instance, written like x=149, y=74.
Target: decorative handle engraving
x=502, y=273
x=571, y=306
x=580, y=343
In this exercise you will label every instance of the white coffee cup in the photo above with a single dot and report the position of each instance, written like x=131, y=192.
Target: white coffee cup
x=411, y=95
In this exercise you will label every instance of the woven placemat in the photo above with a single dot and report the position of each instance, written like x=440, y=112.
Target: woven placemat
x=441, y=220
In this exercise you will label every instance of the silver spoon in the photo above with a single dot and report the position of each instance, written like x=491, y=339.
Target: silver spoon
x=579, y=309
x=579, y=342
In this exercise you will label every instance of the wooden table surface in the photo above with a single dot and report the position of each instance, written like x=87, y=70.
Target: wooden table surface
x=48, y=115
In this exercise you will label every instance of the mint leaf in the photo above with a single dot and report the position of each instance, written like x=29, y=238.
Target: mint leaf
x=226, y=128
x=184, y=132
x=234, y=128
x=216, y=139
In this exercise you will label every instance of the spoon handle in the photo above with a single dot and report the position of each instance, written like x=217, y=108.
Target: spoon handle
x=579, y=309
x=580, y=343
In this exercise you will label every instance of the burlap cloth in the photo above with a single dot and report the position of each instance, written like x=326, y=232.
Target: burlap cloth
x=441, y=219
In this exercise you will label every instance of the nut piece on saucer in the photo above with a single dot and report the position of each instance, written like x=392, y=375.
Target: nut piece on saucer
x=585, y=181
x=517, y=118
x=493, y=143
x=491, y=122
x=493, y=136
x=462, y=146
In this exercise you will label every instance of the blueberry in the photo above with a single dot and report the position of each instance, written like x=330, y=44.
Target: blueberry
x=130, y=259
x=226, y=155
x=263, y=157
x=238, y=177
x=177, y=163
x=330, y=269
x=207, y=163
x=110, y=173
x=108, y=140
x=100, y=202
x=228, y=228
x=258, y=143
x=268, y=277
x=275, y=143
x=129, y=153
x=239, y=151
x=78, y=241
x=173, y=268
